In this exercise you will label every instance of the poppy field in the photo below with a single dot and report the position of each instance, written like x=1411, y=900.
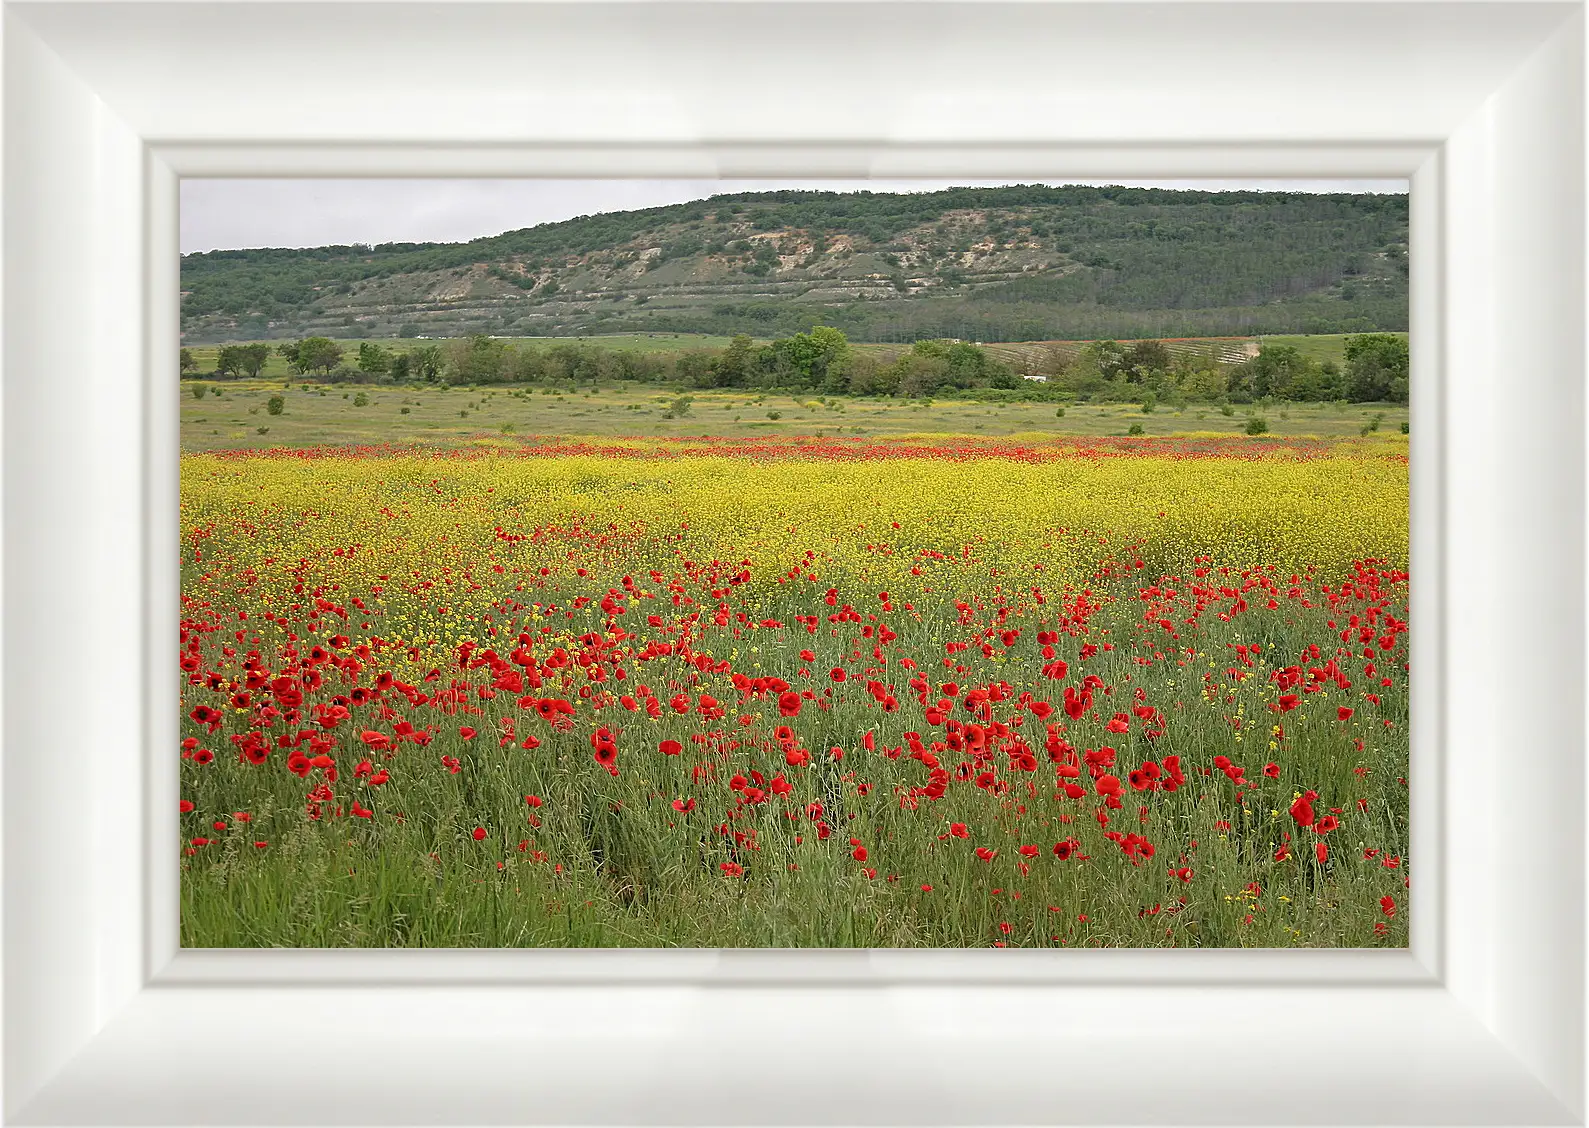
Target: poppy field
x=786, y=692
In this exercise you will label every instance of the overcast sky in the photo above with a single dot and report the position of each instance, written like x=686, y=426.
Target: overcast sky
x=230, y=214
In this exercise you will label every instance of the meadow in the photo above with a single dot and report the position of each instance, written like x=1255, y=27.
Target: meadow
x=235, y=415
x=448, y=684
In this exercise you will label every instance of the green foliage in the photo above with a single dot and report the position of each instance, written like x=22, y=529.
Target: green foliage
x=199, y=391
x=361, y=400
x=1377, y=368
x=1134, y=429
x=1257, y=425
x=313, y=354
x=426, y=363
x=186, y=362
x=275, y=405
x=477, y=360
x=373, y=359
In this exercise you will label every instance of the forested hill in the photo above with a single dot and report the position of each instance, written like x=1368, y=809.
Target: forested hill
x=990, y=264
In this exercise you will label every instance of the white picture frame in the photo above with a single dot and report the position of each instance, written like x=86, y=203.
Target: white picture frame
x=107, y=105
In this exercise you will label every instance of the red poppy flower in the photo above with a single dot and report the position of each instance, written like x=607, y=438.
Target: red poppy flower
x=466, y=732
x=1064, y=850
x=1343, y=713
x=1302, y=810
x=479, y=834
x=732, y=869
x=1272, y=771
x=1028, y=851
x=789, y=703
x=959, y=830
x=670, y=748
x=684, y=806
x=1387, y=905
x=985, y=854
x=185, y=805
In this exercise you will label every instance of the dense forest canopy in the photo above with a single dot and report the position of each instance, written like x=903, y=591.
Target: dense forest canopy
x=1017, y=263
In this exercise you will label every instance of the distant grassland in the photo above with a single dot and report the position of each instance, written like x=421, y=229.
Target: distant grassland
x=231, y=414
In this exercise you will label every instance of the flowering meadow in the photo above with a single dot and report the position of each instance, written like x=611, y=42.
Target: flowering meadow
x=783, y=692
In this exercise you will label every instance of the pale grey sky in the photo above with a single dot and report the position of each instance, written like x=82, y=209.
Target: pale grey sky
x=230, y=214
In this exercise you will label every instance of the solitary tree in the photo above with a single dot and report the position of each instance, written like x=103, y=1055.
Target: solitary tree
x=288, y=350
x=251, y=359
x=374, y=360
x=318, y=354
x=229, y=360
x=188, y=361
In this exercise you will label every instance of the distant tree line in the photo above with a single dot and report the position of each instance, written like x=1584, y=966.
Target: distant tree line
x=823, y=360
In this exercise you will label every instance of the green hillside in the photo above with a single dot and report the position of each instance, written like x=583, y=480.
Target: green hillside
x=993, y=264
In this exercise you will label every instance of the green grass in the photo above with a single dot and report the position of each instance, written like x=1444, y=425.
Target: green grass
x=608, y=861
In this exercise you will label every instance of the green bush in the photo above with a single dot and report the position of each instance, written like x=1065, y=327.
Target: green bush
x=1405, y=428
x=1149, y=402
x=1134, y=429
x=402, y=411
x=1257, y=425
x=199, y=391
x=1226, y=410
x=1060, y=413
x=775, y=415
x=262, y=430
x=361, y=400
x=275, y=405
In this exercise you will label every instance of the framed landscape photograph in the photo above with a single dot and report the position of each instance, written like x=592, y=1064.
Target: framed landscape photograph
x=836, y=565
x=1094, y=556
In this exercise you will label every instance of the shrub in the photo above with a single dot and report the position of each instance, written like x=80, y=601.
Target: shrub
x=1226, y=410
x=262, y=430
x=1149, y=402
x=199, y=391
x=1405, y=428
x=1257, y=425
x=275, y=405
x=402, y=411
x=775, y=415
x=361, y=400
x=1060, y=413
x=1134, y=429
